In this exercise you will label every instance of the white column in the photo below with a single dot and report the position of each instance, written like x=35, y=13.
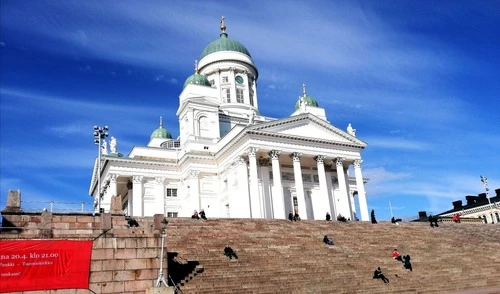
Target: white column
x=323, y=188
x=232, y=75
x=109, y=191
x=242, y=205
x=267, y=211
x=194, y=191
x=339, y=162
x=255, y=204
x=254, y=89
x=350, y=198
x=138, y=198
x=363, y=206
x=278, y=204
x=112, y=185
x=160, y=195
x=130, y=198
x=299, y=184
x=246, y=91
x=329, y=189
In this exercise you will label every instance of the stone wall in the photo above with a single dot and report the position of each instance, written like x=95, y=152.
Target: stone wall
x=125, y=258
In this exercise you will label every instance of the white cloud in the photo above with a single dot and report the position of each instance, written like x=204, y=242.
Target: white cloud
x=397, y=143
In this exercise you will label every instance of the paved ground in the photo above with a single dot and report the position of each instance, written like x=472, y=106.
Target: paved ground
x=479, y=291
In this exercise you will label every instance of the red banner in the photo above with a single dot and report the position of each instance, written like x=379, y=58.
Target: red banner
x=27, y=265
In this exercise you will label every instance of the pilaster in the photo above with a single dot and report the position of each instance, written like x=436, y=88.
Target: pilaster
x=160, y=195
x=255, y=201
x=137, y=196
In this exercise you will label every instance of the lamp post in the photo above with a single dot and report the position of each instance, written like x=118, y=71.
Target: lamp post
x=485, y=183
x=161, y=278
x=100, y=133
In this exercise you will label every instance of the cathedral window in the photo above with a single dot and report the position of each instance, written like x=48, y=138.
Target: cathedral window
x=204, y=127
x=172, y=214
x=251, y=98
x=171, y=192
x=225, y=79
x=239, y=96
x=227, y=95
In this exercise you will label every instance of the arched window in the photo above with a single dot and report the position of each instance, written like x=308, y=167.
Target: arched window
x=203, y=127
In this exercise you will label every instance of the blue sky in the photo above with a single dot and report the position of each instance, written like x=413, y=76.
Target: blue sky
x=419, y=80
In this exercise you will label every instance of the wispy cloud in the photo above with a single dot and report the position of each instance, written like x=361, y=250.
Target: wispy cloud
x=397, y=143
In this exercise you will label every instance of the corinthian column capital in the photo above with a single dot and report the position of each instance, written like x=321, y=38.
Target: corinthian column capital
x=339, y=161
x=274, y=154
x=357, y=163
x=295, y=156
x=252, y=151
x=319, y=159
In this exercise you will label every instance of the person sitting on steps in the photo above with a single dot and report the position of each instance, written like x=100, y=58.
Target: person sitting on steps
x=407, y=263
x=202, y=214
x=341, y=218
x=327, y=241
x=377, y=274
x=229, y=252
x=328, y=217
x=290, y=216
x=395, y=221
x=195, y=215
x=396, y=255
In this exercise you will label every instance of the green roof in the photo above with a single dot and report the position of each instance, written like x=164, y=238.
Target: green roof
x=161, y=132
x=224, y=43
x=308, y=100
x=197, y=79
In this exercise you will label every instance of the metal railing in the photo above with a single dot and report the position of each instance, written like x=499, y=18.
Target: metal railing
x=57, y=206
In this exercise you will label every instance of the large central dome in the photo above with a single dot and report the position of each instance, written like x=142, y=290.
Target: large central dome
x=224, y=43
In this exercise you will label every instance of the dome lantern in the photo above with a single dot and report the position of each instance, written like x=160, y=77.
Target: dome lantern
x=305, y=99
x=160, y=132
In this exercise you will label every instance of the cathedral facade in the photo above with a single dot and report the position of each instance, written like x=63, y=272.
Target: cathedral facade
x=232, y=161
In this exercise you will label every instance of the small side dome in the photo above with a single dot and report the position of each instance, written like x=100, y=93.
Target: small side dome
x=224, y=43
x=160, y=132
x=306, y=99
x=197, y=78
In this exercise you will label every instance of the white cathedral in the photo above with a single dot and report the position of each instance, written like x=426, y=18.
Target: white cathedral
x=233, y=162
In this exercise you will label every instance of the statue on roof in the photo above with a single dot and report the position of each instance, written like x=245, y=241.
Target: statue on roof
x=112, y=145
x=302, y=104
x=251, y=118
x=351, y=131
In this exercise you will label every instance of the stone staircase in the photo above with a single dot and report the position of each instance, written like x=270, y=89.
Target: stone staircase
x=278, y=256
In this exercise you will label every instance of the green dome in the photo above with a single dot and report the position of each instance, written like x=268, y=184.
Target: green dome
x=224, y=43
x=308, y=100
x=160, y=132
x=197, y=79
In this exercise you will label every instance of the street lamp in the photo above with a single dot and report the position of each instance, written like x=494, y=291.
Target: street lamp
x=161, y=278
x=485, y=183
x=100, y=133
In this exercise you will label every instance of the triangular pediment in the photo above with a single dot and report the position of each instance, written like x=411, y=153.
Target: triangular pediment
x=309, y=127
